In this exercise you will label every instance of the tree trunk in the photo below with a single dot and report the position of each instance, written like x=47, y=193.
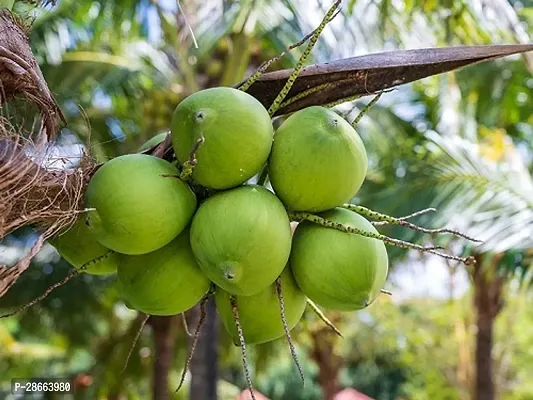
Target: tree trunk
x=164, y=329
x=488, y=303
x=329, y=364
x=204, y=367
x=484, y=386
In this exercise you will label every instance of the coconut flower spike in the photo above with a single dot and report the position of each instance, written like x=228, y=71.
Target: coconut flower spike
x=242, y=342
x=300, y=65
x=266, y=64
x=406, y=217
x=279, y=293
x=186, y=325
x=367, y=108
x=387, y=240
x=366, y=212
x=135, y=340
x=51, y=288
x=196, y=337
x=323, y=317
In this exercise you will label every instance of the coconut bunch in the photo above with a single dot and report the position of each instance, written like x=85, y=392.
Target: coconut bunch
x=171, y=245
x=146, y=218
x=178, y=231
x=186, y=218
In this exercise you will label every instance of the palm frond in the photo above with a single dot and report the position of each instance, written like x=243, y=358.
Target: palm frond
x=493, y=201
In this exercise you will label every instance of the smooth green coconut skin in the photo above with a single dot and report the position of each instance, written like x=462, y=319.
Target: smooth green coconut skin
x=167, y=281
x=137, y=208
x=237, y=130
x=338, y=270
x=318, y=161
x=79, y=247
x=259, y=315
x=242, y=239
x=153, y=141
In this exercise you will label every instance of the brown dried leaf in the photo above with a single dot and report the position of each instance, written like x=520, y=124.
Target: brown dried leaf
x=342, y=79
x=31, y=195
x=20, y=74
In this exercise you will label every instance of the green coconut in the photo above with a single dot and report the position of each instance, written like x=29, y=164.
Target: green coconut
x=259, y=314
x=238, y=136
x=338, y=270
x=153, y=141
x=79, y=248
x=242, y=239
x=167, y=281
x=318, y=161
x=139, y=205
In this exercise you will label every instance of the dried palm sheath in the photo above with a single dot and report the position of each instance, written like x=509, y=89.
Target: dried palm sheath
x=31, y=195
x=20, y=74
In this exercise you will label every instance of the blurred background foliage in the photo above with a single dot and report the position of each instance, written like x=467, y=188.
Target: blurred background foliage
x=461, y=142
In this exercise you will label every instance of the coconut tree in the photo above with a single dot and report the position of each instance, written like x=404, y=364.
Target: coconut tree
x=118, y=72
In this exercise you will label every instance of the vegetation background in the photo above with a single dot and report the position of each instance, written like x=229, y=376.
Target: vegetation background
x=461, y=142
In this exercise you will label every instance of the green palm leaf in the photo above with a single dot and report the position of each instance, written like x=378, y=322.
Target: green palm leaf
x=492, y=200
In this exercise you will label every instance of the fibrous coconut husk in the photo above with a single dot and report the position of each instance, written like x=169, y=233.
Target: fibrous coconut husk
x=32, y=195
x=20, y=74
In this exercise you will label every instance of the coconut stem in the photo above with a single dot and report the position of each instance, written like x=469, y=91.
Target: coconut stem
x=135, y=340
x=242, y=342
x=279, y=293
x=387, y=240
x=402, y=222
x=50, y=289
x=387, y=292
x=323, y=317
x=323, y=87
x=189, y=165
x=186, y=325
x=300, y=64
x=307, y=92
x=265, y=65
x=415, y=214
x=342, y=101
x=196, y=337
x=366, y=108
